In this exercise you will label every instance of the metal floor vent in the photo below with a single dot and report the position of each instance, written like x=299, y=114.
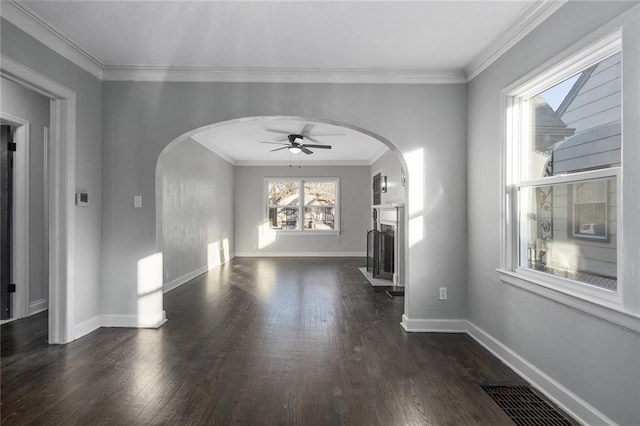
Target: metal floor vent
x=525, y=407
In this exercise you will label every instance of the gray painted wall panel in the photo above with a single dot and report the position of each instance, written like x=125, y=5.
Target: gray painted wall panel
x=197, y=208
x=426, y=122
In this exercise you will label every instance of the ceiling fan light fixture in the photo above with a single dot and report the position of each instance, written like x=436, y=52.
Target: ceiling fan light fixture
x=294, y=150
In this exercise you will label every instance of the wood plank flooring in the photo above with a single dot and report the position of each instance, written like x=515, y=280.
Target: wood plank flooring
x=270, y=341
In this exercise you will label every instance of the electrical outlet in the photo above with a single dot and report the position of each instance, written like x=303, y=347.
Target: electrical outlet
x=443, y=293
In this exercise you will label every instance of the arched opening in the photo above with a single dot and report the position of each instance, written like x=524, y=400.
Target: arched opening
x=216, y=243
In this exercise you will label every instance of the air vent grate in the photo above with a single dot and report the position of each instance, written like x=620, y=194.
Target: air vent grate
x=525, y=407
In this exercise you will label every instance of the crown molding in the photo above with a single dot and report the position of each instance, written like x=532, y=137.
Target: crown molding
x=283, y=75
x=214, y=148
x=534, y=14
x=35, y=26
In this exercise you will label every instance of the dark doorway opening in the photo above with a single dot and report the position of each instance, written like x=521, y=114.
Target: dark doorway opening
x=7, y=147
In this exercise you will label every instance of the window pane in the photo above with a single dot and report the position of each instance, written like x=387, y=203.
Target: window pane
x=576, y=125
x=319, y=217
x=570, y=230
x=284, y=194
x=283, y=218
x=320, y=193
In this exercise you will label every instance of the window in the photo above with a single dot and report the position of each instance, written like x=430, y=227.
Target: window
x=307, y=205
x=562, y=174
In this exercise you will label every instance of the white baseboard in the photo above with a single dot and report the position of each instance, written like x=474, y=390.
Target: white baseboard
x=434, y=325
x=134, y=321
x=38, y=306
x=572, y=404
x=87, y=327
x=302, y=254
x=173, y=284
x=128, y=321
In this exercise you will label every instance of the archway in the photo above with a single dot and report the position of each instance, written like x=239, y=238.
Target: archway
x=219, y=242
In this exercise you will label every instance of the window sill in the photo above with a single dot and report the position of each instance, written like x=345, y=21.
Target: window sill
x=281, y=232
x=606, y=310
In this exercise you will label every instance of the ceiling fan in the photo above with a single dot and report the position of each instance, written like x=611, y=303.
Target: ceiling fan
x=296, y=143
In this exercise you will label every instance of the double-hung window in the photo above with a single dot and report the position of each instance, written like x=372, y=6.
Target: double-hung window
x=303, y=204
x=562, y=174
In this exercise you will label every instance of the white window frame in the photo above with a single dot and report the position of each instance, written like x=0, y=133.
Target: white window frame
x=300, y=230
x=513, y=97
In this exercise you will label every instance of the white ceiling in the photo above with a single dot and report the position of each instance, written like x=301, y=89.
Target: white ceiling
x=239, y=142
x=313, y=34
x=418, y=41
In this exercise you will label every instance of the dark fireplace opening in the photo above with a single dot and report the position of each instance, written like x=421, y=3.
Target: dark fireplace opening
x=380, y=252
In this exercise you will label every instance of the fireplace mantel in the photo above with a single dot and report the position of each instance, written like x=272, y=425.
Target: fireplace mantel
x=389, y=214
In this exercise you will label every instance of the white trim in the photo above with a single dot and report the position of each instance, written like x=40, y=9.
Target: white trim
x=376, y=156
x=533, y=15
x=38, y=306
x=134, y=321
x=576, y=300
x=62, y=216
x=34, y=25
x=20, y=214
x=589, y=51
x=283, y=75
x=198, y=137
x=434, y=325
x=87, y=327
x=568, y=401
x=302, y=254
x=177, y=282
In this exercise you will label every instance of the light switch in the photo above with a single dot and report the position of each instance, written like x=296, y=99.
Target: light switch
x=137, y=201
x=82, y=199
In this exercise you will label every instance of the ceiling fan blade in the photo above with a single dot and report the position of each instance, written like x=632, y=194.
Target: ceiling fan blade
x=275, y=143
x=305, y=150
x=306, y=129
x=284, y=132
x=278, y=149
x=318, y=146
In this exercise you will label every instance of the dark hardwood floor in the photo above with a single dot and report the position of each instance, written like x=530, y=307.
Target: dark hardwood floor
x=258, y=341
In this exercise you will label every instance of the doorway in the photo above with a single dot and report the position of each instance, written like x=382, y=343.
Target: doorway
x=7, y=286
x=24, y=162
x=61, y=220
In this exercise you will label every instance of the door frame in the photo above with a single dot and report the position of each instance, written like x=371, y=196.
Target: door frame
x=20, y=230
x=62, y=171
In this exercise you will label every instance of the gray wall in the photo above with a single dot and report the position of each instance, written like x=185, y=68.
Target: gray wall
x=197, y=189
x=33, y=107
x=425, y=121
x=24, y=49
x=355, y=205
x=595, y=359
x=389, y=165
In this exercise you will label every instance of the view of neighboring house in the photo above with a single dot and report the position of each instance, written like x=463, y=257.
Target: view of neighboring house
x=582, y=133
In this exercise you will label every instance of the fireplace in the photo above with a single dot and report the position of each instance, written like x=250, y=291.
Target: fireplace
x=385, y=244
x=380, y=252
